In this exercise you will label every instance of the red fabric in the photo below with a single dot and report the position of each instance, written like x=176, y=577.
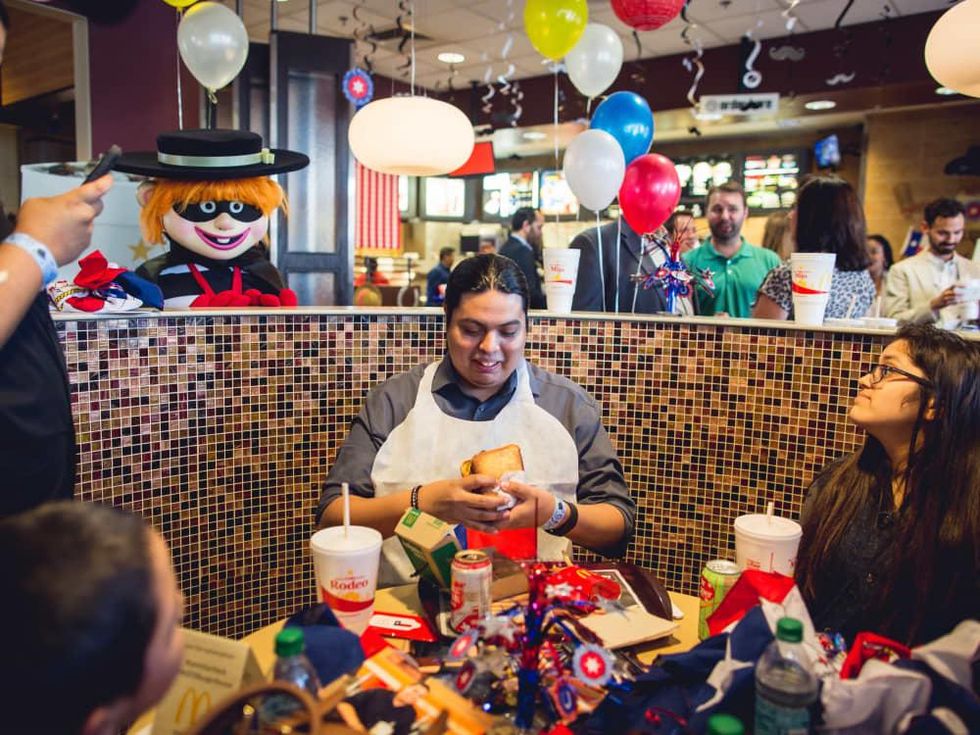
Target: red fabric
x=752, y=586
x=87, y=303
x=518, y=544
x=96, y=272
x=378, y=217
x=868, y=646
x=378, y=279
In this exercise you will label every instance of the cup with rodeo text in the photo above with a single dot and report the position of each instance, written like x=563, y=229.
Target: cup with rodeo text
x=767, y=542
x=347, y=572
x=812, y=274
x=560, y=274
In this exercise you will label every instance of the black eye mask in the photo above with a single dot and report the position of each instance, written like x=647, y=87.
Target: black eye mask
x=207, y=211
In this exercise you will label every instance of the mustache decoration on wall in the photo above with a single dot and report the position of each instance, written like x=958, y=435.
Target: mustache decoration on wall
x=787, y=53
x=841, y=79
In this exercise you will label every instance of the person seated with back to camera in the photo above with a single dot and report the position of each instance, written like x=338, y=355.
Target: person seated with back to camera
x=827, y=219
x=406, y=445
x=91, y=613
x=891, y=533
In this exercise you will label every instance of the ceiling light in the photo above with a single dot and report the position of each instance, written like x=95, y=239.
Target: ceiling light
x=451, y=57
x=945, y=91
x=820, y=105
x=534, y=135
x=414, y=136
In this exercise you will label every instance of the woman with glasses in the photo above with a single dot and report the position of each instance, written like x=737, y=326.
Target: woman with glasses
x=891, y=533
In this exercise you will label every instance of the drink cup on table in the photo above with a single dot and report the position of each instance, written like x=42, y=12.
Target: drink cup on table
x=968, y=296
x=766, y=542
x=812, y=274
x=346, y=562
x=560, y=273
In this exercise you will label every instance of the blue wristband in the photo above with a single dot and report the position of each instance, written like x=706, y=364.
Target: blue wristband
x=39, y=251
x=557, y=516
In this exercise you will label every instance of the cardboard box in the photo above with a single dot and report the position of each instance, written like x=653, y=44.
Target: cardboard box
x=430, y=545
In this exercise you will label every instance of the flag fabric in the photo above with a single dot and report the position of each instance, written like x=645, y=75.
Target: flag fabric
x=378, y=223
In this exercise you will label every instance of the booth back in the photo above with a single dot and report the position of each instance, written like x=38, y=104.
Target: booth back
x=219, y=430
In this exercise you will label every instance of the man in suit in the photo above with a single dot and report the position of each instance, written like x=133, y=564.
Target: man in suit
x=523, y=247
x=621, y=259
x=923, y=288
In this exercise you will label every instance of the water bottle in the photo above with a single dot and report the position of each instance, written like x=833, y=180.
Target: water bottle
x=292, y=665
x=785, y=686
x=724, y=725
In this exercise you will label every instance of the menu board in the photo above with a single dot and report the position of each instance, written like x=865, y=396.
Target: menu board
x=444, y=197
x=771, y=179
x=505, y=193
x=556, y=197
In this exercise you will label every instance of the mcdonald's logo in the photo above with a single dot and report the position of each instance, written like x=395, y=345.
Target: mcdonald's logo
x=200, y=702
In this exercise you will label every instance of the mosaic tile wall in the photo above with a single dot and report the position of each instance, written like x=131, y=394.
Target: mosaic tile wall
x=219, y=430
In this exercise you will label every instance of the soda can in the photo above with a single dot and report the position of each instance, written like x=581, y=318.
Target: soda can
x=717, y=577
x=469, y=595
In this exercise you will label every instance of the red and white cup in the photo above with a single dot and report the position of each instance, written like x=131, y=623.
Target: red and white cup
x=812, y=275
x=347, y=572
x=560, y=274
x=768, y=543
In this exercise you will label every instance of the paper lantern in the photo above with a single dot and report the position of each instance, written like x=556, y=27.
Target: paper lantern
x=646, y=15
x=952, y=52
x=411, y=136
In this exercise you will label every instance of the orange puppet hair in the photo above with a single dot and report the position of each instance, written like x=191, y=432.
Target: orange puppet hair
x=163, y=194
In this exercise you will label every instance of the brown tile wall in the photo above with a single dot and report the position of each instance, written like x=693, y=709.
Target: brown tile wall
x=219, y=430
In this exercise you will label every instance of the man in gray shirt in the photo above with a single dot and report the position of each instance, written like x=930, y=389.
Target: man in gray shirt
x=406, y=445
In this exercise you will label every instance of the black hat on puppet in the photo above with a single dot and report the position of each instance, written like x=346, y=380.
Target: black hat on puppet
x=210, y=155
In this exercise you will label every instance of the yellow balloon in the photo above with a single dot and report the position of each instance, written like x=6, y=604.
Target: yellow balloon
x=180, y=3
x=555, y=26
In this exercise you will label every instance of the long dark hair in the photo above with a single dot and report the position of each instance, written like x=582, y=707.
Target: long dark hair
x=934, y=567
x=829, y=219
x=80, y=608
x=485, y=272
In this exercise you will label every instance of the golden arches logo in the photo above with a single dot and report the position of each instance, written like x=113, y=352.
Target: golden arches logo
x=200, y=702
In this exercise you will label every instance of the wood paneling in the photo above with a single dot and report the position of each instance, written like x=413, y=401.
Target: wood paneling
x=38, y=57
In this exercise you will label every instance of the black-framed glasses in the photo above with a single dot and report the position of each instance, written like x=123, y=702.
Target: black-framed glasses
x=879, y=372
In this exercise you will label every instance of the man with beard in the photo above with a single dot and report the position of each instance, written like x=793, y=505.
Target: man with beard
x=923, y=288
x=524, y=248
x=738, y=267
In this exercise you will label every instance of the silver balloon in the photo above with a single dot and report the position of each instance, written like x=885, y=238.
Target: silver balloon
x=594, y=63
x=213, y=43
x=594, y=167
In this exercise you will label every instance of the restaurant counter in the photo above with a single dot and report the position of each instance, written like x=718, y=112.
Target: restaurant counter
x=219, y=427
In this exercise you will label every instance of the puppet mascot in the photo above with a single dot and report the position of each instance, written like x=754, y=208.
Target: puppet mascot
x=210, y=198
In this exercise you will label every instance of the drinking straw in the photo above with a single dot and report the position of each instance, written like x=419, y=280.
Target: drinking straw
x=850, y=308
x=345, y=489
x=770, y=507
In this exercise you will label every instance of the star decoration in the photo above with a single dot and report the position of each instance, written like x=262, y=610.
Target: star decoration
x=500, y=625
x=563, y=590
x=141, y=250
x=593, y=664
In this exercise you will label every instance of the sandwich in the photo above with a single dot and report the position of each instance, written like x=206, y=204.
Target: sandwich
x=494, y=462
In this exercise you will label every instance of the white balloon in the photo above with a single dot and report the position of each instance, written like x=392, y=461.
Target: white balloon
x=594, y=63
x=213, y=43
x=594, y=167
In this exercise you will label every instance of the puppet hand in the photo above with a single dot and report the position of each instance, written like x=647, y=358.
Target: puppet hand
x=253, y=295
x=202, y=302
x=269, y=299
x=287, y=297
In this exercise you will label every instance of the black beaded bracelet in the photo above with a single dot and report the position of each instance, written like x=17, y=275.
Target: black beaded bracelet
x=566, y=528
x=415, y=497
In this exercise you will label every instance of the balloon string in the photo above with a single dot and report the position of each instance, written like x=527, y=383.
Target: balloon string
x=602, y=272
x=556, y=141
x=619, y=244
x=639, y=272
x=180, y=94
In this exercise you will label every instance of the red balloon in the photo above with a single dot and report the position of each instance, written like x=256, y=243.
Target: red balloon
x=646, y=15
x=650, y=192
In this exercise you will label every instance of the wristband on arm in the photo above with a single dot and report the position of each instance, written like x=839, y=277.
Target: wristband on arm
x=39, y=252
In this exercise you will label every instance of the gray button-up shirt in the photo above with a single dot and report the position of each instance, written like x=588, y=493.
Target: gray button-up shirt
x=600, y=472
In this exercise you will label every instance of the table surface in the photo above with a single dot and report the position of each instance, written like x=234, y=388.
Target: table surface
x=405, y=600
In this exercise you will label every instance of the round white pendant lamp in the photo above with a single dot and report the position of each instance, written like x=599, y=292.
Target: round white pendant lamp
x=952, y=51
x=411, y=136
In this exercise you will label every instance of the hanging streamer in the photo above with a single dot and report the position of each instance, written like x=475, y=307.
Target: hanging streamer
x=405, y=8
x=364, y=35
x=693, y=64
x=486, y=99
x=789, y=16
x=841, y=49
x=516, y=97
x=506, y=86
x=886, y=31
x=752, y=77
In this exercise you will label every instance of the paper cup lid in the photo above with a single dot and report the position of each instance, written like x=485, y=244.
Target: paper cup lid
x=332, y=540
x=760, y=525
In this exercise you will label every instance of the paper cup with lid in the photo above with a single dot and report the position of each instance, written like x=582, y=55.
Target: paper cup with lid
x=768, y=543
x=347, y=572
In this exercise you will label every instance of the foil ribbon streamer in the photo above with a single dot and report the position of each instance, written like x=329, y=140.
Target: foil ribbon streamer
x=790, y=16
x=504, y=79
x=516, y=97
x=692, y=63
x=364, y=34
x=636, y=76
x=405, y=8
x=841, y=49
x=486, y=99
x=752, y=77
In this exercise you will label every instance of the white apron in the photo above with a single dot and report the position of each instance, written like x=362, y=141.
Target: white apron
x=429, y=445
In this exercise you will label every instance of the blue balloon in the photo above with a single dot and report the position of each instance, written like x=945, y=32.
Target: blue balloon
x=626, y=116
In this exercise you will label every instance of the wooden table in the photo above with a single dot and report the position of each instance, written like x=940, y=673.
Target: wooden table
x=405, y=600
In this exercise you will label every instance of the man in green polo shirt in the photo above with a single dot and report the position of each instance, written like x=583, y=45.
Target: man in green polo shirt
x=738, y=267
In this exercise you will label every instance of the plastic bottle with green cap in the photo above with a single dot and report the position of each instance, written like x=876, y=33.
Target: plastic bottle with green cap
x=292, y=665
x=785, y=686
x=724, y=725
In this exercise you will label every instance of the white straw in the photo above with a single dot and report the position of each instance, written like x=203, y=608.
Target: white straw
x=850, y=308
x=346, y=492
x=770, y=507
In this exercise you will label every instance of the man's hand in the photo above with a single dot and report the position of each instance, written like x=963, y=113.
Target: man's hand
x=946, y=298
x=64, y=223
x=466, y=500
x=534, y=505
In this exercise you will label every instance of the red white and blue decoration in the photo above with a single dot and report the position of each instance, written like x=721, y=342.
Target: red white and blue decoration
x=592, y=664
x=358, y=87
